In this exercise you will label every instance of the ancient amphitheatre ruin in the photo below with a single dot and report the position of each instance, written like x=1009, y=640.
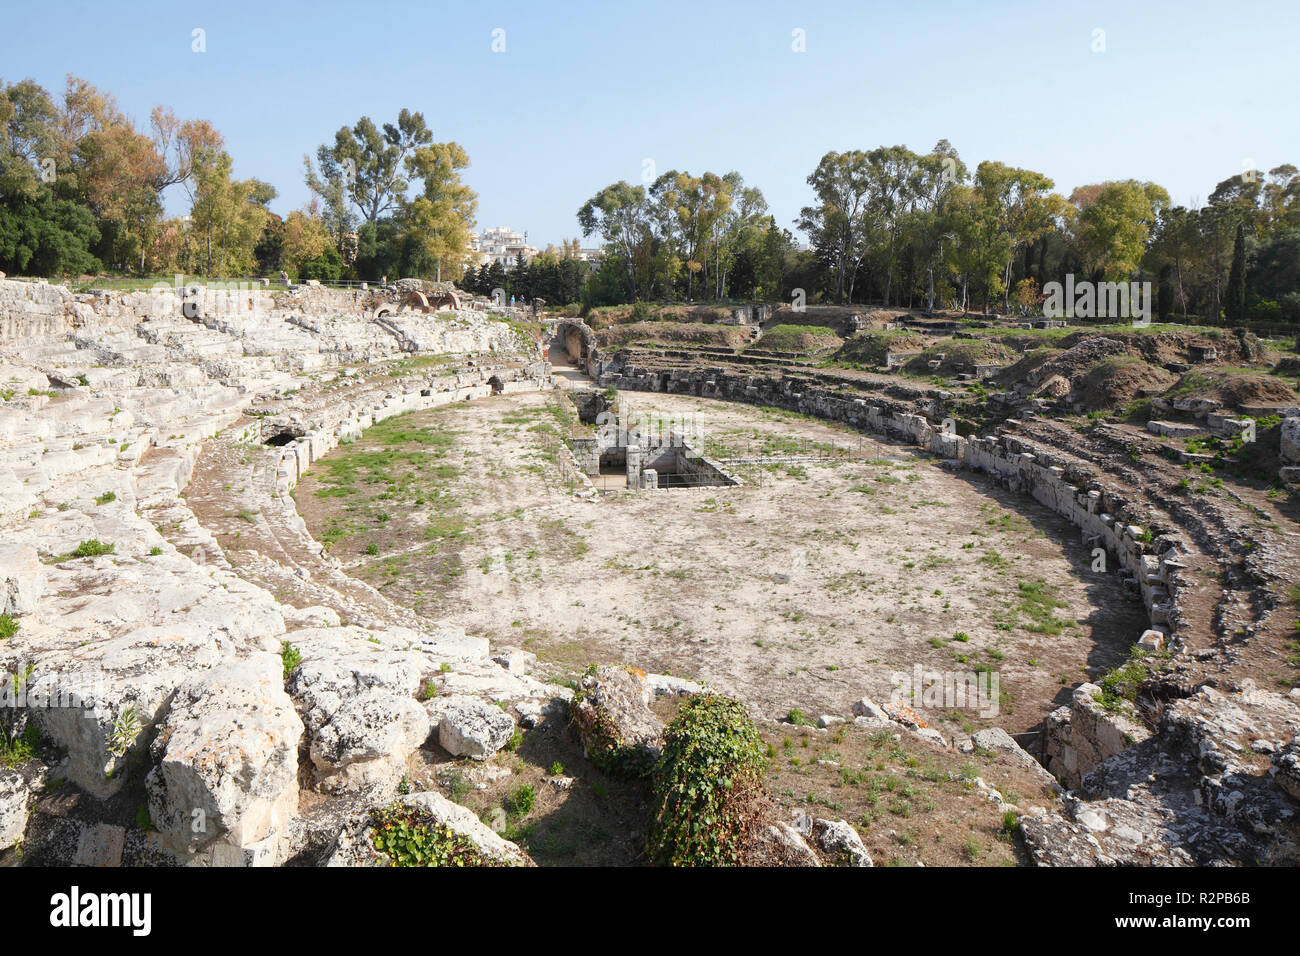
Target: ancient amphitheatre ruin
x=277, y=560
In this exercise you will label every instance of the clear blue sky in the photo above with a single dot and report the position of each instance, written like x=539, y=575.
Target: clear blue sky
x=1184, y=93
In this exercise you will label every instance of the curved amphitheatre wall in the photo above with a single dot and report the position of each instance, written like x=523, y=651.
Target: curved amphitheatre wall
x=1208, y=769
x=138, y=649
x=138, y=393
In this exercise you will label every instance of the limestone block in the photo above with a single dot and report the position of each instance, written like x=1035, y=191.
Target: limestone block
x=471, y=727
x=227, y=758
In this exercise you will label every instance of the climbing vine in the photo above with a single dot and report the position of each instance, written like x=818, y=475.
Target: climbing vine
x=708, y=785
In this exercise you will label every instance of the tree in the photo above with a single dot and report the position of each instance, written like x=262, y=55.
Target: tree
x=29, y=135
x=306, y=239
x=1017, y=208
x=892, y=179
x=1173, y=246
x=930, y=226
x=979, y=247
x=619, y=213
x=227, y=215
x=740, y=229
x=1280, y=199
x=1113, y=224
x=436, y=225
x=1235, y=300
x=44, y=228
x=45, y=235
x=367, y=164
x=837, y=224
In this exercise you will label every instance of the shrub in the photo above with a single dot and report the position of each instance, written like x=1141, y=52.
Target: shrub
x=8, y=626
x=708, y=790
x=106, y=497
x=291, y=657
x=93, y=549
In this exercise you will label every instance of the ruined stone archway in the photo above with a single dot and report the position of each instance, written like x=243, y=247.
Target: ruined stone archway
x=443, y=301
x=574, y=343
x=415, y=301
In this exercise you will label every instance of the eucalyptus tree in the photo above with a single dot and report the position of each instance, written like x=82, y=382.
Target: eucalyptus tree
x=620, y=214
x=838, y=222
x=365, y=167
x=1017, y=207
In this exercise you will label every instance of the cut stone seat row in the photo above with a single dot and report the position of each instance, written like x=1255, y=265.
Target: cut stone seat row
x=168, y=642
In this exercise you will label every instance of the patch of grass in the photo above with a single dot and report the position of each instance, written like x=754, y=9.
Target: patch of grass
x=992, y=559
x=1037, y=602
x=797, y=718
x=1120, y=686
x=520, y=801
x=18, y=750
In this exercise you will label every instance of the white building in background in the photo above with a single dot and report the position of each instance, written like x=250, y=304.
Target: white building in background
x=502, y=245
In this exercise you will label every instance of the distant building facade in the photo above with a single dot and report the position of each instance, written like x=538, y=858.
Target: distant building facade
x=503, y=245
x=500, y=245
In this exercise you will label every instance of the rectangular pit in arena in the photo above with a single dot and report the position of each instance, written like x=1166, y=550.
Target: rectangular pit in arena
x=684, y=468
x=671, y=464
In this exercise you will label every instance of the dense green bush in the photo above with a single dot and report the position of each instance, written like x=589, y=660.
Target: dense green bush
x=93, y=549
x=708, y=790
x=328, y=266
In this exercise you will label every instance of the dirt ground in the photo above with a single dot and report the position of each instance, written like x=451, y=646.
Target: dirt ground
x=804, y=589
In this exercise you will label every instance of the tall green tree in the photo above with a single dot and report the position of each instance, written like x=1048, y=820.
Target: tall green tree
x=1234, y=305
x=837, y=224
x=620, y=214
x=436, y=224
